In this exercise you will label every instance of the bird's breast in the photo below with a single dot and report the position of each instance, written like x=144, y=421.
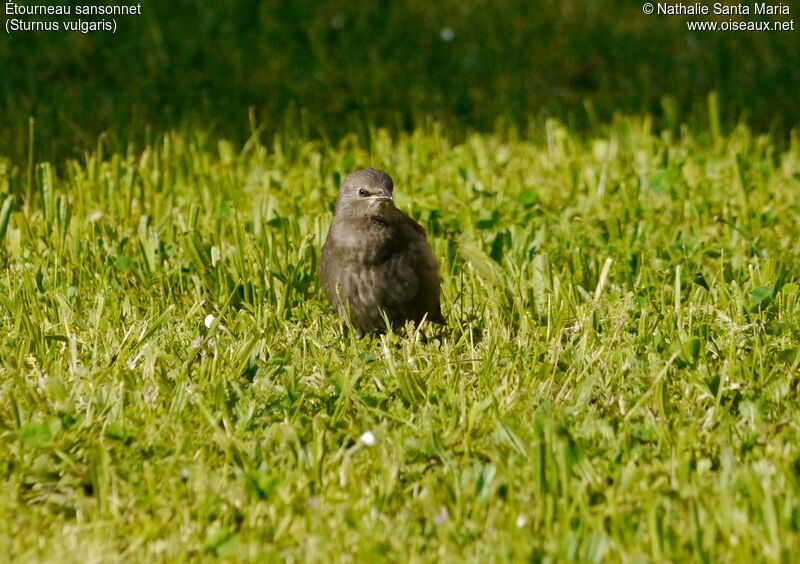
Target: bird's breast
x=365, y=243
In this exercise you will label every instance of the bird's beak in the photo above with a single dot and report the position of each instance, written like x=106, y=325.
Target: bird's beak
x=384, y=196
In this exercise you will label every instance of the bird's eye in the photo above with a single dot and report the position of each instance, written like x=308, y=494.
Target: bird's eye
x=363, y=193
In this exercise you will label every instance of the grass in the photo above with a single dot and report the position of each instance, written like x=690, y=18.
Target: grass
x=619, y=380
x=334, y=65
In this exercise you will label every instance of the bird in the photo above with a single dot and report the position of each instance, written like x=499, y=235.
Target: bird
x=376, y=260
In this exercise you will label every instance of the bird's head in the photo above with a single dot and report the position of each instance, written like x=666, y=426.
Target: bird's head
x=365, y=191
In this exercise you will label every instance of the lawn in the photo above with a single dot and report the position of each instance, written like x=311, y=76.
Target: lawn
x=618, y=379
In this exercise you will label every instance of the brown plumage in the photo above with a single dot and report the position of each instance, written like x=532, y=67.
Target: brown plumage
x=376, y=259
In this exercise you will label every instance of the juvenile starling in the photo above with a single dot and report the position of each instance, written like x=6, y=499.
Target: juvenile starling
x=375, y=260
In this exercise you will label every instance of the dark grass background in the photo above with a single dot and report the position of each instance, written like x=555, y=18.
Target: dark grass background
x=334, y=67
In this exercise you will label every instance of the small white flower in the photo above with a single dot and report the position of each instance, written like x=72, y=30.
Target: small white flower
x=337, y=22
x=521, y=521
x=368, y=439
x=447, y=34
x=442, y=517
x=208, y=321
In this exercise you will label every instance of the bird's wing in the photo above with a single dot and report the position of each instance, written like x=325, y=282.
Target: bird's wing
x=402, y=279
x=414, y=275
x=327, y=269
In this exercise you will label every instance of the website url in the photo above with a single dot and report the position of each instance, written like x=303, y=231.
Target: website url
x=735, y=25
